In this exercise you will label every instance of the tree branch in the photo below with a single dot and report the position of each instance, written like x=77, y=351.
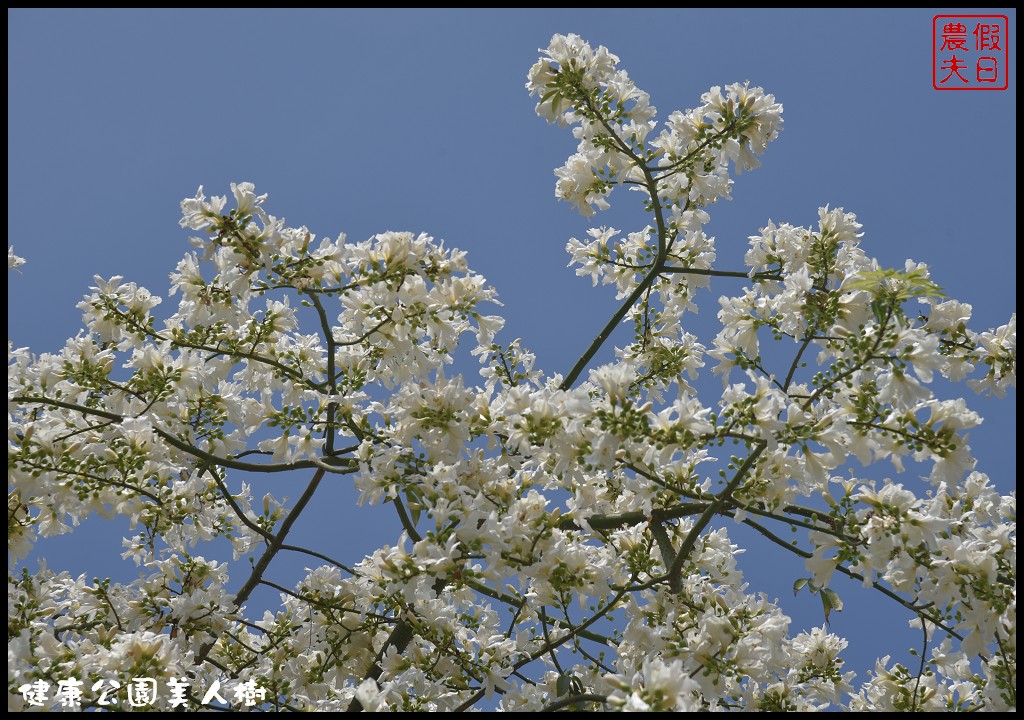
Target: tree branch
x=196, y=452
x=675, y=572
x=573, y=700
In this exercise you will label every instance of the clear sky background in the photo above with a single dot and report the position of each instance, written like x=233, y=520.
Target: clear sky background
x=367, y=121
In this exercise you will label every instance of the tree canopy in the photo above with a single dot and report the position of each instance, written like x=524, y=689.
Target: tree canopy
x=566, y=538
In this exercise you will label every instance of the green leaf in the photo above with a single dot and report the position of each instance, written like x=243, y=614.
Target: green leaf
x=547, y=95
x=896, y=285
x=830, y=601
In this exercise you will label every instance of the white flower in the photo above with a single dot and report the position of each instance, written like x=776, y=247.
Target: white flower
x=370, y=697
x=615, y=379
x=658, y=686
x=13, y=261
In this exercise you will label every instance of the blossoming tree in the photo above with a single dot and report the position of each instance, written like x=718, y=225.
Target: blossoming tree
x=566, y=538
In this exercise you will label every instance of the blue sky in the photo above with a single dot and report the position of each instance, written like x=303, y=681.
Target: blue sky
x=366, y=121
